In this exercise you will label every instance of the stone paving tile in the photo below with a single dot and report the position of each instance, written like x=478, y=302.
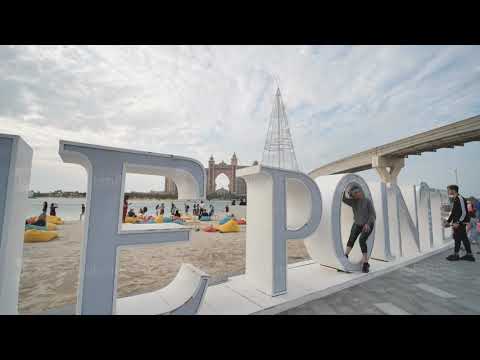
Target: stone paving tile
x=391, y=309
x=399, y=288
x=322, y=308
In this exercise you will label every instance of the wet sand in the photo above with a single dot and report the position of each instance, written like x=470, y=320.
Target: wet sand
x=50, y=270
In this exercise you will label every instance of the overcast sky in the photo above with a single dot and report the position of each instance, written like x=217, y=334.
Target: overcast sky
x=202, y=100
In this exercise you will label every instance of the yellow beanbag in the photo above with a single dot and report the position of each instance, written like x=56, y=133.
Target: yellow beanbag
x=230, y=226
x=51, y=227
x=159, y=219
x=54, y=220
x=130, y=219
x=39, y=236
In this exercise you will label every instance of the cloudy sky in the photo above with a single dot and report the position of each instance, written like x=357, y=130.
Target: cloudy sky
x=202, y=100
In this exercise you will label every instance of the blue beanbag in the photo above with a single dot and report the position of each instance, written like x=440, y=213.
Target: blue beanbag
x=180, y=222
x=35, y=227
x=167, y=220
x=225, y=220
x=205, y=218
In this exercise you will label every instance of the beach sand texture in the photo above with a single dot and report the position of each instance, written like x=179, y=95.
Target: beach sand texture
x=50, y=270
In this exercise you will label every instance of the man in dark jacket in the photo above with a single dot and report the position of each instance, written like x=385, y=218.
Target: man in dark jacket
x=459, y=219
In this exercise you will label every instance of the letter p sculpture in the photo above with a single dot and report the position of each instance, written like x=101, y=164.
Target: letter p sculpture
x=282, y=205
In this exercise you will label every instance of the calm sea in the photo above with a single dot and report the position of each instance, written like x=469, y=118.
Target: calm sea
x=70, y=209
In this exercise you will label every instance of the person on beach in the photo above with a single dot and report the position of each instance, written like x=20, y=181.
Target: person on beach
x=131, y=213
x=41, y=221
x=162, y=208
x=157, y=210
x=477, y=217
x=83, y=211
x=204, y=213
x=125, y=207
x=187, y=207
x=45, y=207
x=458, y=220
x=233, y=202
x=227, y=209
x=472, y=232
x=177, y=214
x=53, y=208
x=212, y=210
x=363, y=222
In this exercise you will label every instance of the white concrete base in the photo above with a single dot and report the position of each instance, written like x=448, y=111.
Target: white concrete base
x=183, y=296
x=307, y=281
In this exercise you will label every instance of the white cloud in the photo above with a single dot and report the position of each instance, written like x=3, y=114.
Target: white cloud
x=202, y=100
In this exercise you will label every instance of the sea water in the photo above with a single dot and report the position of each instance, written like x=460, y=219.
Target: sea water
x=70, y=208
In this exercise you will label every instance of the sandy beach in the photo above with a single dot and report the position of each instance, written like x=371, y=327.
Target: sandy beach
x=50, y=270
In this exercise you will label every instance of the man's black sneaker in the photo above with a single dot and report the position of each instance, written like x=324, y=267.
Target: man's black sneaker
x=468, y=257
x=453, y=257
x=366, y=267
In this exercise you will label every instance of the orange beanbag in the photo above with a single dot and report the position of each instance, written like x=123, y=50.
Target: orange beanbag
x=209, y=228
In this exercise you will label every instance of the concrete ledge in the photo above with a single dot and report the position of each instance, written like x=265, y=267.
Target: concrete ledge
x=307, y=281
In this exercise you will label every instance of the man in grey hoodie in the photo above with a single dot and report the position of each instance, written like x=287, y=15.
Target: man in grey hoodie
x=363, y=222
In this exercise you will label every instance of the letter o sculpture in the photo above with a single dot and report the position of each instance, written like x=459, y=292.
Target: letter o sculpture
x=327, y=245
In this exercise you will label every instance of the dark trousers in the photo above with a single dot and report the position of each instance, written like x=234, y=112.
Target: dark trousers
x=460, y=236
x=357, y=230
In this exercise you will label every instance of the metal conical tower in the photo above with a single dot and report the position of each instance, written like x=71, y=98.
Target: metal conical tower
x=278, y=151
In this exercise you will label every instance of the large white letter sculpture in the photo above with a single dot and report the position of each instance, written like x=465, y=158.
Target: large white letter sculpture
x=439, y=231
x=382, y=248
x=15, y=167
x=106, y=168
x=327, y=244
x=403, y=212
x=424, y=216
x=282, y=205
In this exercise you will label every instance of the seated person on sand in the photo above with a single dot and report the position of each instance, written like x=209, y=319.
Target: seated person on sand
x=177, y=214
x=41, y=221
x=131, y=213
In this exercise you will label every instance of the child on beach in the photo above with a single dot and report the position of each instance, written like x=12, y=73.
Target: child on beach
x=53, y=208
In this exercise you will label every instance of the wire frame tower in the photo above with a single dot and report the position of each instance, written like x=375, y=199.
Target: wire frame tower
x=278, y=151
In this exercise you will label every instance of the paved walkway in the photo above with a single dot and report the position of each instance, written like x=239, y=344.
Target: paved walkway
x=433, y=286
